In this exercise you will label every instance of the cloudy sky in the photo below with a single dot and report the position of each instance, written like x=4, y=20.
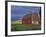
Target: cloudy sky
x=18, y=12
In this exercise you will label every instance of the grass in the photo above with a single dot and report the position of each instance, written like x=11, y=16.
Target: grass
x=25, y=27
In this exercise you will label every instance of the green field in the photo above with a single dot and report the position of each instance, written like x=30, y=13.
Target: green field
x=25, y=27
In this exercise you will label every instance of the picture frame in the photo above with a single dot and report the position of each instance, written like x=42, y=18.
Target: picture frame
x=11, y=5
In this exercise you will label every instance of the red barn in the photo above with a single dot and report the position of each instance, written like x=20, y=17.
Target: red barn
x=27, y=19
x=31, y=18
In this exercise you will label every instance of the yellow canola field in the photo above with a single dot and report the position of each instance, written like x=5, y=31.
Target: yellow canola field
x=17, y=22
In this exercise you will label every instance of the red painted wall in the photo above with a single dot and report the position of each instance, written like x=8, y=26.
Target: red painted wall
x=27, y=20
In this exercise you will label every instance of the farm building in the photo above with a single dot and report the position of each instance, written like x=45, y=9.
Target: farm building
x=27, y=19
x=35, y=18
x=31, y=18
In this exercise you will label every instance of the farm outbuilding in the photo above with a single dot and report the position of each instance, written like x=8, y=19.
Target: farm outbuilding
x=27, y=19
x=31, y=18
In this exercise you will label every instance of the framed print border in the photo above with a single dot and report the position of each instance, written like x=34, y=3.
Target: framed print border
x=6, y=19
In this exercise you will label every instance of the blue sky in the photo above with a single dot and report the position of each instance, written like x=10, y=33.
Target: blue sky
x=17, y=12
